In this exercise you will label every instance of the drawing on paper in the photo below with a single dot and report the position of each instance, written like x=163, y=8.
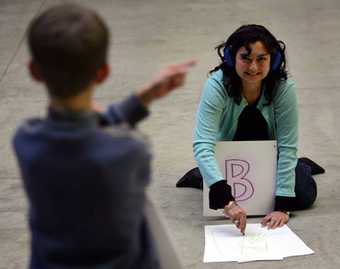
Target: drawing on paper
x=254, y=244
x=225, y=243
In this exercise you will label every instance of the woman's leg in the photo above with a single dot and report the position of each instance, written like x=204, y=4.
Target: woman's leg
x=192, y=179
x=305, y=187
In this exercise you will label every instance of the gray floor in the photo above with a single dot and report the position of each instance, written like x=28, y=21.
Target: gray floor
x=148, y=34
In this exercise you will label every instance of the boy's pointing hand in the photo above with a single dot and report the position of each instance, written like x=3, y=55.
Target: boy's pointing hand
x=168, y=79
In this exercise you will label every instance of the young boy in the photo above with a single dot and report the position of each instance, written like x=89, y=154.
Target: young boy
x=83, y=172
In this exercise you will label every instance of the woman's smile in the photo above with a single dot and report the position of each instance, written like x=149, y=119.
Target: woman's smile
x=252, y=74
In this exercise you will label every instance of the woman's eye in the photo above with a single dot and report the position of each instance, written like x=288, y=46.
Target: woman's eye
x=245, y=58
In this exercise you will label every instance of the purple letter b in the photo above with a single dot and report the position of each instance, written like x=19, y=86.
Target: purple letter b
x=236, y=171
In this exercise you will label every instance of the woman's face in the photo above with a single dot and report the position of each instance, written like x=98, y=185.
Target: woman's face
x=254, y=67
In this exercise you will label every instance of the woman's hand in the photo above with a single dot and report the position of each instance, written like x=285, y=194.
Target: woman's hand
x=237, y=215
x=275, y=219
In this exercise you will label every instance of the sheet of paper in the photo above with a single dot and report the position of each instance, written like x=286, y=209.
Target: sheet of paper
x=224, y=243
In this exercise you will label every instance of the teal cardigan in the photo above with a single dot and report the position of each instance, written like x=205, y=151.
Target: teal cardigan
x=217, y=119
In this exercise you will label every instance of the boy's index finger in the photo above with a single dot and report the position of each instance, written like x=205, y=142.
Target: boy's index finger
x=184, y=67
x=190, y=63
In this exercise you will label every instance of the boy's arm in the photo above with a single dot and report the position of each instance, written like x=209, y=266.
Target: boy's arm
x=130, y=111
x=135, y=108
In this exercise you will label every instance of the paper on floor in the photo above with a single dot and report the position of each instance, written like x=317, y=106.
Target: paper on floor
x=224, y=243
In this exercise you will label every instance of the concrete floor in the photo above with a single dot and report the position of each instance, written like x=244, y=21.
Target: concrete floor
x=149, y=34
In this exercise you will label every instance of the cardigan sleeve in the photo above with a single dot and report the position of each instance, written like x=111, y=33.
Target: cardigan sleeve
x=208, y=120
x=286, y=121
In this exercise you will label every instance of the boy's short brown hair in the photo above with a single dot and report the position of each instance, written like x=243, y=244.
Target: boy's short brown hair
x=68, y=43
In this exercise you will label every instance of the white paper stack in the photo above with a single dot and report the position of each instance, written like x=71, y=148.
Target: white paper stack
x=225, y=243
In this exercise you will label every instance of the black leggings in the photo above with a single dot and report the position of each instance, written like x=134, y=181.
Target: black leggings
x=252, y=126
x=305, y=188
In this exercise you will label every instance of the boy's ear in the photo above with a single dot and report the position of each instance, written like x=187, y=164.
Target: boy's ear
x=102, y=73
x=34, y=71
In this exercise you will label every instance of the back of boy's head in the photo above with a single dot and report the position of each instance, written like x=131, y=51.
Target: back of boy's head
x=68, y=44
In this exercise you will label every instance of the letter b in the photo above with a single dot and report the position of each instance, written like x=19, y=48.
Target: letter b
x=236, y=171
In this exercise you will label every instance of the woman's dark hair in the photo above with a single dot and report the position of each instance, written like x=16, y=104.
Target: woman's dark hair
x=68, y=43
x=243, y=37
